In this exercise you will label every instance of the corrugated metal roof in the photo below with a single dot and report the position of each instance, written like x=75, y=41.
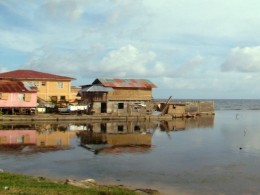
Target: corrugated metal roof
x=15, y=87
x=31, y=74
x=96, y=88
x=126, y=83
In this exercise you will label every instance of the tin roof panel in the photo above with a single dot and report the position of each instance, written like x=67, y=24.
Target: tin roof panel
x=127, y=83
x=14, y=87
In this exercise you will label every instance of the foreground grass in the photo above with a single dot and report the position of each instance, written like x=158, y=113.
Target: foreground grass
x=19, y=184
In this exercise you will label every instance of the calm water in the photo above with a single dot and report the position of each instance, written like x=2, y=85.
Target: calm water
x=208, y=155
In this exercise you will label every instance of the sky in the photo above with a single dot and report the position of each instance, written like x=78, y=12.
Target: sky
x=190, y=49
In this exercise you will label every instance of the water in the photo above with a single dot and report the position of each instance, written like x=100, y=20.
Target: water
x=208, y=155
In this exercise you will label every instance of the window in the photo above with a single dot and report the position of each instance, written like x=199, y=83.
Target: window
x=120, y=105
x=20, y=139
x=137, y=128
x=58, y=142
x=120, y=128
x=43, y=83
x=54, y=99
x=62, y=98
x=60, y=85
x=27, y=97
x=3, y=96
x=21, y=97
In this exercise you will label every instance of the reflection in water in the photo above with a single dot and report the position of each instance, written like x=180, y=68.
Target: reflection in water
x=54, y=151
x=116, y=137
x=105, y=137
x=26, y=139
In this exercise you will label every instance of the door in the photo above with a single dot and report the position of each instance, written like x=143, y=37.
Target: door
x=103, y=107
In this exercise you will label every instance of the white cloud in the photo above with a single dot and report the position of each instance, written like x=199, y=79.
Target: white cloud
x=18, y=40
x=246, y=59
x=127, y=61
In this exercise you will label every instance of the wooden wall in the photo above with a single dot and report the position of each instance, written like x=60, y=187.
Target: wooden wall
x=130, y=94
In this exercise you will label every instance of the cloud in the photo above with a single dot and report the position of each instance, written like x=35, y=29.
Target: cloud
x=18, y=40
x=126, y=61
x=192, y=66
x=243, y=59
x=60, y=11
x=129, y=61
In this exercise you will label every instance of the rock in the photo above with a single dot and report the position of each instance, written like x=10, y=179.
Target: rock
x=27, y=149
x=89, y=182
x=76, y=183
x=6, y=188
x=147, y=192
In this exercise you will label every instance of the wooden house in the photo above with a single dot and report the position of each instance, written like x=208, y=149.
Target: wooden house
x=15, y=97
x=117, y=96
x=51, y=88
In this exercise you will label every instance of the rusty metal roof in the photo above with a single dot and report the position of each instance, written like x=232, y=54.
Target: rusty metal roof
x=31, y=74
x=125, y=83
x=15, y=87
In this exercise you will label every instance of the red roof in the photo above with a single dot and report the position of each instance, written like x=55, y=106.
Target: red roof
x=31, y=74
x=15, y=87
x=125, y=83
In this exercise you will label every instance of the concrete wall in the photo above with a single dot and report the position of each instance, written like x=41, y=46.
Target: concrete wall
x=199, y=107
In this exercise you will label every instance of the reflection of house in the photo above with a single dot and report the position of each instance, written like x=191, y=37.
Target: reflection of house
x=53, y=138
x=129, y=139
x=15, y=96
x=117, y=95
x=113, y=136
x=51, y=88
x=178, y=124
x=15, y=137
x=113, y=142
x=119, y=127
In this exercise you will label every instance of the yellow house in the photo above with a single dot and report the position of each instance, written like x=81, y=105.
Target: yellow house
x=51, y=88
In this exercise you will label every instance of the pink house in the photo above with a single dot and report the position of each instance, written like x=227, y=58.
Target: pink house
x=15, y=96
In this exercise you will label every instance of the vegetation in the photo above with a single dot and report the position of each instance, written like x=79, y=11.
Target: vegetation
x=19, y=184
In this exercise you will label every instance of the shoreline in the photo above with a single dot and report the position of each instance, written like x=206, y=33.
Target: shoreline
x=88, y=184
x=84, y=117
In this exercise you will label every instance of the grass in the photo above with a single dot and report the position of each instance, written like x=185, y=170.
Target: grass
x=11, y=183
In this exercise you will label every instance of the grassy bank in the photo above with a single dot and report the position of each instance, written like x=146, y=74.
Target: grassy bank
x=19, y=184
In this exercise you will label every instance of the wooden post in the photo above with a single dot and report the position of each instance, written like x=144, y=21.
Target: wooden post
x=166, y=105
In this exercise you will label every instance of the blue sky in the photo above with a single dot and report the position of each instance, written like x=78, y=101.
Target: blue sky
x=190, y=49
